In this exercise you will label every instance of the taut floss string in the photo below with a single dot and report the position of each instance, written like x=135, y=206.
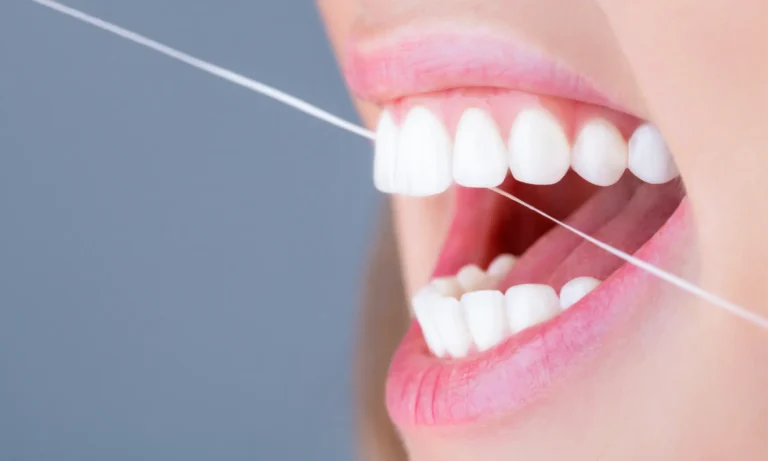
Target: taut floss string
x=316, y=112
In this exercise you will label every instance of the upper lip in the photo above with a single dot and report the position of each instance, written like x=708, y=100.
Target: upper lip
x=383, y=71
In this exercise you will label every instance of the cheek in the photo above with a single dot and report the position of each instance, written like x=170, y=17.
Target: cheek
x=421, y=225
x=338, y=17
x=701, y=88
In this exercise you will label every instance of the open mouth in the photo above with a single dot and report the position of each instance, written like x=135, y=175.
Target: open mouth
x=513, y=301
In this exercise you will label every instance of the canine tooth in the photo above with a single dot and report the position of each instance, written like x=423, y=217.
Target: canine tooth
x=447, y=286
x=576, y=289
x=479, y=154
x=486, y=320
x=530, y=304
x=426, y=305
x=539, y=152
x=649, y=156
x=600, y=153
x=423, y=166
x=452, y=328
x=385, y=153
x=471, y=277
x=501, y=265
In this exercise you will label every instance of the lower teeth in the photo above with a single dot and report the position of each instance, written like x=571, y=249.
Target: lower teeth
x=464, y=313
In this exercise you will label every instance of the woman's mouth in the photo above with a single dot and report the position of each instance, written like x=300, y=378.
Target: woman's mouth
x=513, y=302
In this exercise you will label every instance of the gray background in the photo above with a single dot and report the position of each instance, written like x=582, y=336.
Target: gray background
x=180, y=258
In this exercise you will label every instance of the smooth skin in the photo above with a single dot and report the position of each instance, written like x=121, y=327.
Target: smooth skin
x=693, y=383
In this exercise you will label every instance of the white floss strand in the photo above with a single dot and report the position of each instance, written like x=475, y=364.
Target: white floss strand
x=316, y=112
x=228, y=75
x=648, y=267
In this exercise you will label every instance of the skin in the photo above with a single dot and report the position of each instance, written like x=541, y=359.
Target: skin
x=692, y=381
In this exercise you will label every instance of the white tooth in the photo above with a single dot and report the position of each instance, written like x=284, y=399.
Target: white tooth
x=471, y=277
x=385, y=155
x=447, y=286
x=530, y=304
x=423, y=165
x=479, y=154
x=426, y=305
x=486, y=320
x=576, y=289
x=501, y=265
x=649, y=157
x=600, y=153
x=452, y=328
x=539, y=152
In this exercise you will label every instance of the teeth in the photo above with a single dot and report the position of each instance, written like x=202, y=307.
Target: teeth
x=539, y=152
x=425, y=307
x=452, y=328
x=600, y=153
x=649, y=157
x=418, y=158
x=484, y=318
x=530, y=304
x=471, y=278
x=501, y=265
x=385, y=156
x=484, y=311
x=423, y=163
x=479, y=154
x=447, y=286
x=576, y=289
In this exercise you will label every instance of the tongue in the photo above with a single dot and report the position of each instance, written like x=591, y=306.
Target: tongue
x=486, y=224
x=625, y=216
x=625, y=219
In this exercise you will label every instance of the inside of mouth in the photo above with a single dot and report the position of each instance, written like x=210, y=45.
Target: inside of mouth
x=504, y=268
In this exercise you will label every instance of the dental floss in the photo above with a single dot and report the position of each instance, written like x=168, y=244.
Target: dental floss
x=648, y=267
x=316, y=112
x=220, y=72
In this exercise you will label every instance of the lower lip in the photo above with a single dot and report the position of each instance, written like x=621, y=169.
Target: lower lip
x=423, y=390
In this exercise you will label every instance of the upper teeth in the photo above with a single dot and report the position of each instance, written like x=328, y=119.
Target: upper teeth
x=418, y=157
x=600, y=153
x=539, y=152
x=455, y=320
x=649, y=158
x=479, y=154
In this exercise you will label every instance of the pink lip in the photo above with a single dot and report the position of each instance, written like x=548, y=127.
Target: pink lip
x=442, y=61
x=426, y=391
x=423, y=390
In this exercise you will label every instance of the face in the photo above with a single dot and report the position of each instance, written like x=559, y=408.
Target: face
x=640, y=123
